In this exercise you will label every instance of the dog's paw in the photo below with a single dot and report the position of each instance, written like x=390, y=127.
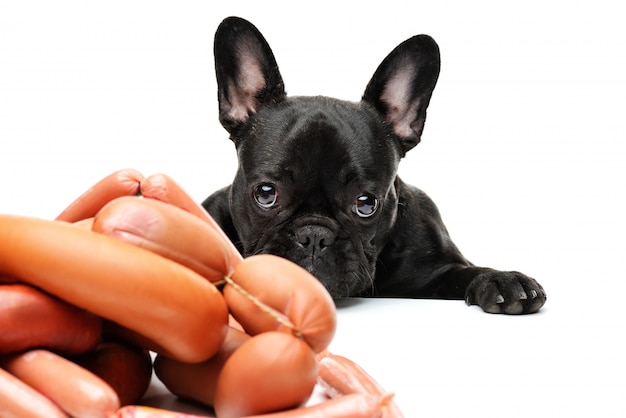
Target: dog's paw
x=507, y=292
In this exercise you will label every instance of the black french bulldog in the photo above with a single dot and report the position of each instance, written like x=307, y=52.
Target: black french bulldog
x=317, y=180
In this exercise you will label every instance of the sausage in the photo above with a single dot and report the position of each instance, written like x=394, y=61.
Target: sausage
x=126, y=368
x=341, y=376
x=75, y=390
x=164, y=188
x=140, y=411
x=7, y=279
x=356, y=405
x=269, y=372
x=31, y=318
x=269, y=293
x=178, y=311
x=168, y=231
x=120, y=183
x=198, y=381
x=86, y=223
x=18, y=400
x=291, y=316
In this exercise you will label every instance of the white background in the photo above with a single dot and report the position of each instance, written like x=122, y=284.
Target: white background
x=523, y=152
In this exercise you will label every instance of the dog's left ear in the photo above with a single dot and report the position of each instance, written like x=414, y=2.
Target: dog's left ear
x=246, y=70
x=402, y=86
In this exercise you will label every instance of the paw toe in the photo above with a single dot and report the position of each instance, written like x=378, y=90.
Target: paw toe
x=514, y=308
x=494, y=309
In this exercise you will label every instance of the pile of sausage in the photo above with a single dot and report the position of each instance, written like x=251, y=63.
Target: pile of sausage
x=86, y=298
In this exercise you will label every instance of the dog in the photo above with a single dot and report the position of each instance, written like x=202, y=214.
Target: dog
x=317, y=180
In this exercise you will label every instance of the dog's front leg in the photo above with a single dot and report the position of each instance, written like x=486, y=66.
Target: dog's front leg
x=422, y=261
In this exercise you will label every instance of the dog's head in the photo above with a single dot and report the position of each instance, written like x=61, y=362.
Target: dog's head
x=316, y=177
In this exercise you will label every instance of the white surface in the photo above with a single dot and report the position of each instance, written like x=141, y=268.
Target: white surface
x=444, y=359
x=523, y=151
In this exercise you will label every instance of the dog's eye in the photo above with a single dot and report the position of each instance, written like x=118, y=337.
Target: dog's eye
x=265, y=195
x=365, y=205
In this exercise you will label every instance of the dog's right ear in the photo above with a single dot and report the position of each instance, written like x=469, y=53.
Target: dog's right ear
x=247, y=74
x=402, y=86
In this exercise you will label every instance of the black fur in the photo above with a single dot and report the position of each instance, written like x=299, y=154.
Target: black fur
x=310, y=166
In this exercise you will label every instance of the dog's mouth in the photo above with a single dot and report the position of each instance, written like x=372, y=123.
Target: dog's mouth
x=340, y=282
x=336, y=257
x=343, y=270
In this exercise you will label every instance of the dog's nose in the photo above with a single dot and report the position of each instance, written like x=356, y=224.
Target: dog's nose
x=317, y=236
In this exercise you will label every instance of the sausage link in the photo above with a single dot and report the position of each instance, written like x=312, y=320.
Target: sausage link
x=86, y=223
x=164, y=188
x=19, y=400
x=269, y=293
x=269, y=372
x=139, y=411
x=198, y=381
x=120, y=183
x=126, y=368
x=179, y=311
x=341, y=376
x=30, y=318
x=168, y=231
x=357, y=405
x=77, y=391
x=8, y=280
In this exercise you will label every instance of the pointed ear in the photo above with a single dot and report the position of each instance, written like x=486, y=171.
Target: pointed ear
x=402, y=86
x=247, y=74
